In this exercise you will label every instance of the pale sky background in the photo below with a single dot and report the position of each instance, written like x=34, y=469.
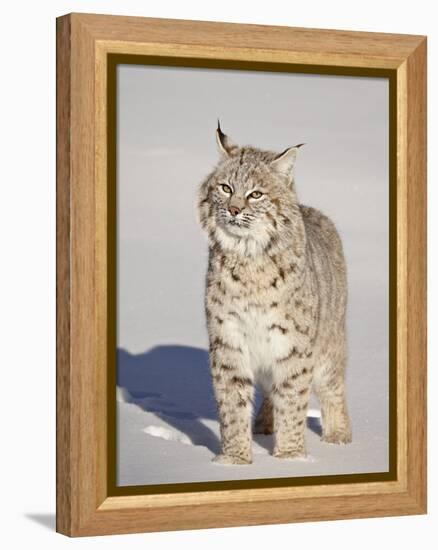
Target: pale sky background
x=166, y=146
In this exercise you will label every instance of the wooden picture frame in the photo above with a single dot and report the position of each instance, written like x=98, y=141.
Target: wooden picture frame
x=87, y=48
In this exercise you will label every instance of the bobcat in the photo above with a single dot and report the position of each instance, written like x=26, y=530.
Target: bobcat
x=276, y=294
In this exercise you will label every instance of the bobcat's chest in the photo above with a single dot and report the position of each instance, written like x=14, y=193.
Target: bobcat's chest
x=262, y=338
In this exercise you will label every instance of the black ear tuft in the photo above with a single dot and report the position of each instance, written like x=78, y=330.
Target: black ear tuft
x=225, y=145
x=219, y=131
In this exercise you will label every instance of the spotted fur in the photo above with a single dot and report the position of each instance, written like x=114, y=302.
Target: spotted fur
x=275, y=302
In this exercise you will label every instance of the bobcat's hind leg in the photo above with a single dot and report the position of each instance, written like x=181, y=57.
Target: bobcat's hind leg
x=329, y=387
x=264, y=422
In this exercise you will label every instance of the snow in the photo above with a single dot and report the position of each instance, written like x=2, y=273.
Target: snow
x=168, y=434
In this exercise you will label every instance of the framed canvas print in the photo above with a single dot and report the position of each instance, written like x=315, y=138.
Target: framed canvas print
x=241, y=274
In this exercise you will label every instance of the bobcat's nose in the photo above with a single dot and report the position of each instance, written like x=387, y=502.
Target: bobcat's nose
x=233, y=210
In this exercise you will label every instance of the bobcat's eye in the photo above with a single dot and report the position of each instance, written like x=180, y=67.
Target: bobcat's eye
x=226, y=189
x=255, y=195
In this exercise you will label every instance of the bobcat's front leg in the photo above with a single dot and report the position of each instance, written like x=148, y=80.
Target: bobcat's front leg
x=290, y=396
x=233, y=388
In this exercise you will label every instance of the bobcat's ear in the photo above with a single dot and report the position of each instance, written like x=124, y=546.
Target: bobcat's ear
x=285, y=161
x=225, y=145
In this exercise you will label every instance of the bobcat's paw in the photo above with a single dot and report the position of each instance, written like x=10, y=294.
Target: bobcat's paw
x=289, y=455
x=337, y=438
x=260, y=428
x=231, y=459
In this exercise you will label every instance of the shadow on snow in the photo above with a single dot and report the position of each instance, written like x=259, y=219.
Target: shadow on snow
x=174, y=382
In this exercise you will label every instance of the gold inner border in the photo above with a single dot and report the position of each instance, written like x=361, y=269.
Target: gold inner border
x=115, y=59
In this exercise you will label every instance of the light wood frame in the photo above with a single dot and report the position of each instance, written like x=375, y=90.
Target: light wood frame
x=83, y=44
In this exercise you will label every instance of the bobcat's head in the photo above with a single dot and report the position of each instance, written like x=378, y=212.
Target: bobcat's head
x=249, y=200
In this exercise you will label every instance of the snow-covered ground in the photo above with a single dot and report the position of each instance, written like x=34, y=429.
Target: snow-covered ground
x=167, y=428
